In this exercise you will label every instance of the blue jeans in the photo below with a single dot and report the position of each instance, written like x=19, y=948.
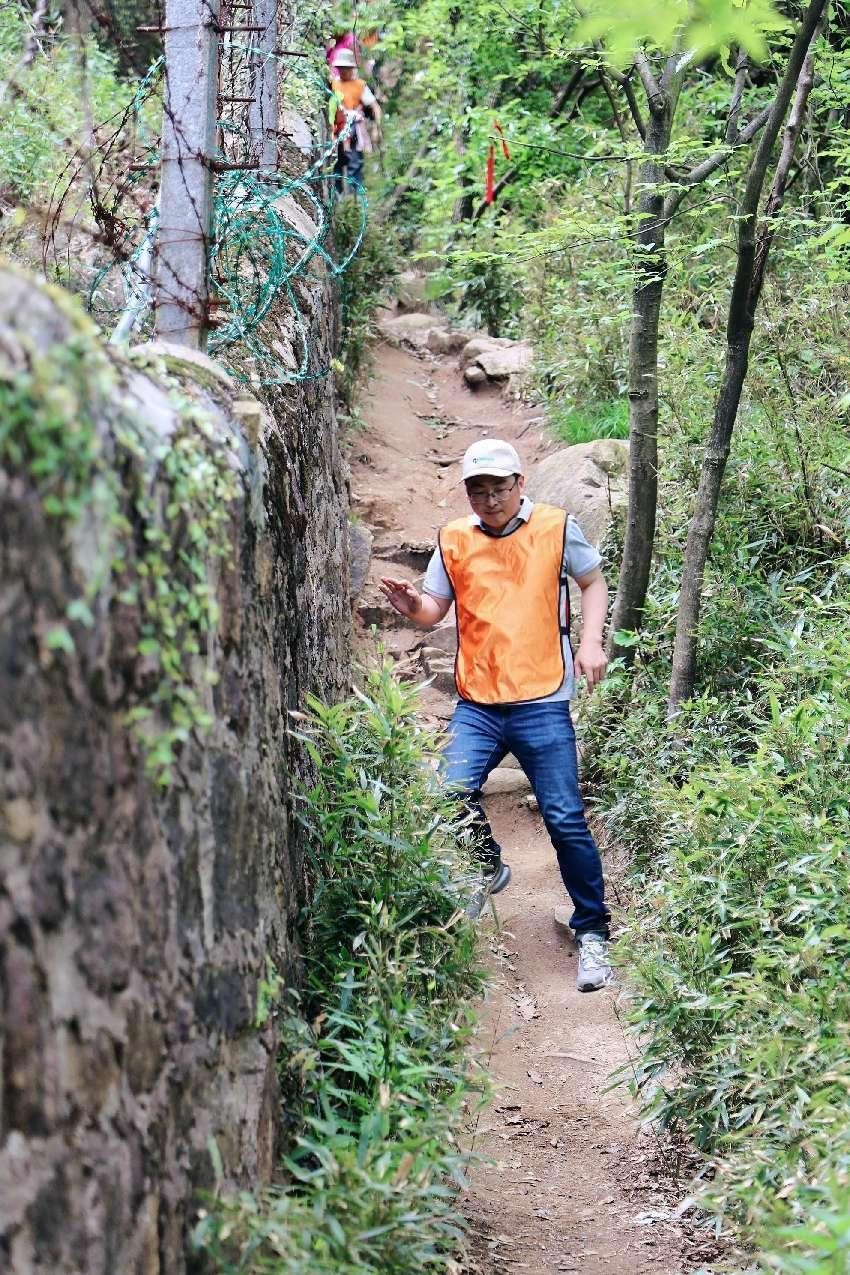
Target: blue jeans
x=349, y=168
x=542, y=739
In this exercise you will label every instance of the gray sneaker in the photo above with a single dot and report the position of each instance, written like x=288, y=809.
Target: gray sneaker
x=493, y=883
x=594, y=965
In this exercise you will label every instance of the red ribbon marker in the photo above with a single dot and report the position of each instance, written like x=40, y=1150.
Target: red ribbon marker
x=489, y=185
x=498, y=128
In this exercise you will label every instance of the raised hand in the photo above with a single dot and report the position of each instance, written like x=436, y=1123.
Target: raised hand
x=401, y=595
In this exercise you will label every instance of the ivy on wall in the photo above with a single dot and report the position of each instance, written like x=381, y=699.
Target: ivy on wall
x=161, y=508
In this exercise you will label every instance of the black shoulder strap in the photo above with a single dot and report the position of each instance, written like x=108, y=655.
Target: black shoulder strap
x=564, y=586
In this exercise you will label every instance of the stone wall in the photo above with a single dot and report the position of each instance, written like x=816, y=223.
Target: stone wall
x=137, y=916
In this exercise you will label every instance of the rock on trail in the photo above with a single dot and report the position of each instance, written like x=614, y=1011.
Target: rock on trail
x=482, y=359
x=422, y=332
x=499, y=362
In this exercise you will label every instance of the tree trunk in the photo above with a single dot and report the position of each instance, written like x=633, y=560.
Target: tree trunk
x=650, y=270
x=404, y=184
x=753, y=250
x=464, y=202
x=655, y=211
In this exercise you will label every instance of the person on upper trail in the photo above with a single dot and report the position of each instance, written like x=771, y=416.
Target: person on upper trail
x=506, y=568
x=351, y=104
x=342, y=40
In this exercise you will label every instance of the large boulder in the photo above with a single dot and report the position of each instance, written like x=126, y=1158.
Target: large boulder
x=440, y=668
x=508, y=360
x=496, y=360
x=410, y=329
x=506, y=781
x=478, y=345
x=475, y=375
x=589, y=480
x=445, y=341
x=411, y=291
x=444, y=637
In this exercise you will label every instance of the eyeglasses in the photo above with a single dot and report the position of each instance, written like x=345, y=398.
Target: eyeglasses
x=497, y=494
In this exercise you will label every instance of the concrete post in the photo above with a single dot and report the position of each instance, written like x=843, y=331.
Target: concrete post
x=263, y=111
x=188, y=141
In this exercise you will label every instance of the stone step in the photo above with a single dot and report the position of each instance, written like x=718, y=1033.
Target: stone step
x=382, y=615
x=506, y=781
x=414, y=554
x=440, y=667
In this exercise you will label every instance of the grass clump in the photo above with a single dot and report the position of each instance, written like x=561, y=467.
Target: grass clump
x=740, y=939
x=374, y=1056
x=593, y=420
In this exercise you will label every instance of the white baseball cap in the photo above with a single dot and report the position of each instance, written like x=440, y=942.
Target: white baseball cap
x=344, y=57
x=491, y=456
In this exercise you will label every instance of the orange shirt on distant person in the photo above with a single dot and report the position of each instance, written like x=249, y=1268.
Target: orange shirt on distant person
x=353, y=93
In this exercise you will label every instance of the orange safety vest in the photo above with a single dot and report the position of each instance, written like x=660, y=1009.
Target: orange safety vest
x=350, y=92
x=510, y=594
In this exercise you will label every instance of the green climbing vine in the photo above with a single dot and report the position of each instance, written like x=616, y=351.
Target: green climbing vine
x=45, y=429
x=170, y=580
x=165, y=538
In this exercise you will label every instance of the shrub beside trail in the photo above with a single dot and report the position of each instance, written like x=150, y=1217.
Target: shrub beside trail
x=373, y=1063
x=737, y=820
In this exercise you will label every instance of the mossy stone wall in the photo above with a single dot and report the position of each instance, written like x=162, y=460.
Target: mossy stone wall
x=173, y=579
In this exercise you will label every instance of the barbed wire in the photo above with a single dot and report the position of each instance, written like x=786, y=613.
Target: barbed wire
x=270, y=231
x=251, y=266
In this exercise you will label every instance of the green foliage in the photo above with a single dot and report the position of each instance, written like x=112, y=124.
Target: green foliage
x=737, y=820
x=46, y=428
x=269, y=992
x=373, y=1059
x=465, y=67
x=595, y=420
x=480, y=286
x=739, y=941
x=47, y=113
x=701, y=27
x=364, y=284
x=159, y=554
x=821, y=1245
x=553, y=257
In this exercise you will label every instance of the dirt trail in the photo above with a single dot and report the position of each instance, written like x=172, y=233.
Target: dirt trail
x=568, y=1180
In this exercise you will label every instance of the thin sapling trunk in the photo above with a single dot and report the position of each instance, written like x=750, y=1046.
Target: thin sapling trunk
x=754, y=243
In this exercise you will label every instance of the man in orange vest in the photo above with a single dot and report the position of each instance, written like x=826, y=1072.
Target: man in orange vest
x=355, y=102
x=506, y=568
